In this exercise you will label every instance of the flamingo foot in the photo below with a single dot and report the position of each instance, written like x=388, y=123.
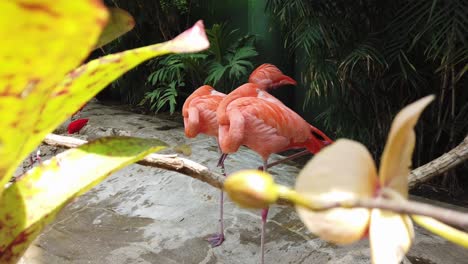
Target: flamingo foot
x=215, y=240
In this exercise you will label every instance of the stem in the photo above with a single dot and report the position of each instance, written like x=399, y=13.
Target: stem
x=443, y=230
x=402, y=207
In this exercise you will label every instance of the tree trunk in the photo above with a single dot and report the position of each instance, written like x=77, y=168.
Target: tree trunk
x=442, y=164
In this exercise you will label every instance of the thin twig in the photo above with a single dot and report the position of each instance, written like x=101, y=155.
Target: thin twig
x=202, y=173
x=448, y=216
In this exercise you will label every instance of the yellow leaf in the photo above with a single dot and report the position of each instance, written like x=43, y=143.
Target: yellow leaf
x=120, y=22
x=390, y=236
x=41, y=42
x=343, y=170
x=30, y=203
x=29, y=118
x=396, y=158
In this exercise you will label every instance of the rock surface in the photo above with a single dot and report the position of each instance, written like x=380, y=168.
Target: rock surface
x=148, y=215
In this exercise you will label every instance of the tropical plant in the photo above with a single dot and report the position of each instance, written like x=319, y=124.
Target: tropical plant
x=364, y=60
x=225, y=65
x=156, y=21
x=163, y=96
x=230, y=57
x=173, y=71
x=40, y=88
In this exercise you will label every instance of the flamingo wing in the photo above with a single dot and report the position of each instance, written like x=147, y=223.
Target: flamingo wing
x=201, y=91
x=199, y=112
x=207, y=106
x=269, y=128
x=245, y=90
x=279, y=117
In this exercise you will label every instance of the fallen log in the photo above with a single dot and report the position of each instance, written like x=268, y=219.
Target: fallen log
x=440, y=165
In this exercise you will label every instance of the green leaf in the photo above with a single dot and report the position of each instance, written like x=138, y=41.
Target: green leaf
x=120, y=22
x=33, y=201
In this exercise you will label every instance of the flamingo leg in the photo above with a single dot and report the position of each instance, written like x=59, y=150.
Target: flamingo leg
x=264, y=220
x=217, y=239
x=221, y=160
x=291, y=157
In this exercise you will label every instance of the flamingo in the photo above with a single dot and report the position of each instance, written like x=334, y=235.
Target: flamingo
x=272, y=127
x=199, y=112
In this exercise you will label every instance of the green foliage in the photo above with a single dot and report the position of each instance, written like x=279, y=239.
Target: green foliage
x=364, y=60
x=225, y=65
x=155, y=21
x=169, y=78
x=163, y=96
x=230, y=57
x=182, y=6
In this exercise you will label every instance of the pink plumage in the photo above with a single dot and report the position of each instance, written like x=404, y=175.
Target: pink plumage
x=271, y=127
x=199, y=112
x=204, y=112
x=270, y=76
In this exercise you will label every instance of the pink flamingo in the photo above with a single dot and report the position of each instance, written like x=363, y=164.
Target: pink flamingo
x=199, y=112
x=272, y=127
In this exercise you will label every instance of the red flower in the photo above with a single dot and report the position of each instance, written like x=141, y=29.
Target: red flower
x=77, y=125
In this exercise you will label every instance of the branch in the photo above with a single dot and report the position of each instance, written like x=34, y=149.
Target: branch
x=448, y=216
x=169, y=162
x=195, y=170
x=449, y=160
